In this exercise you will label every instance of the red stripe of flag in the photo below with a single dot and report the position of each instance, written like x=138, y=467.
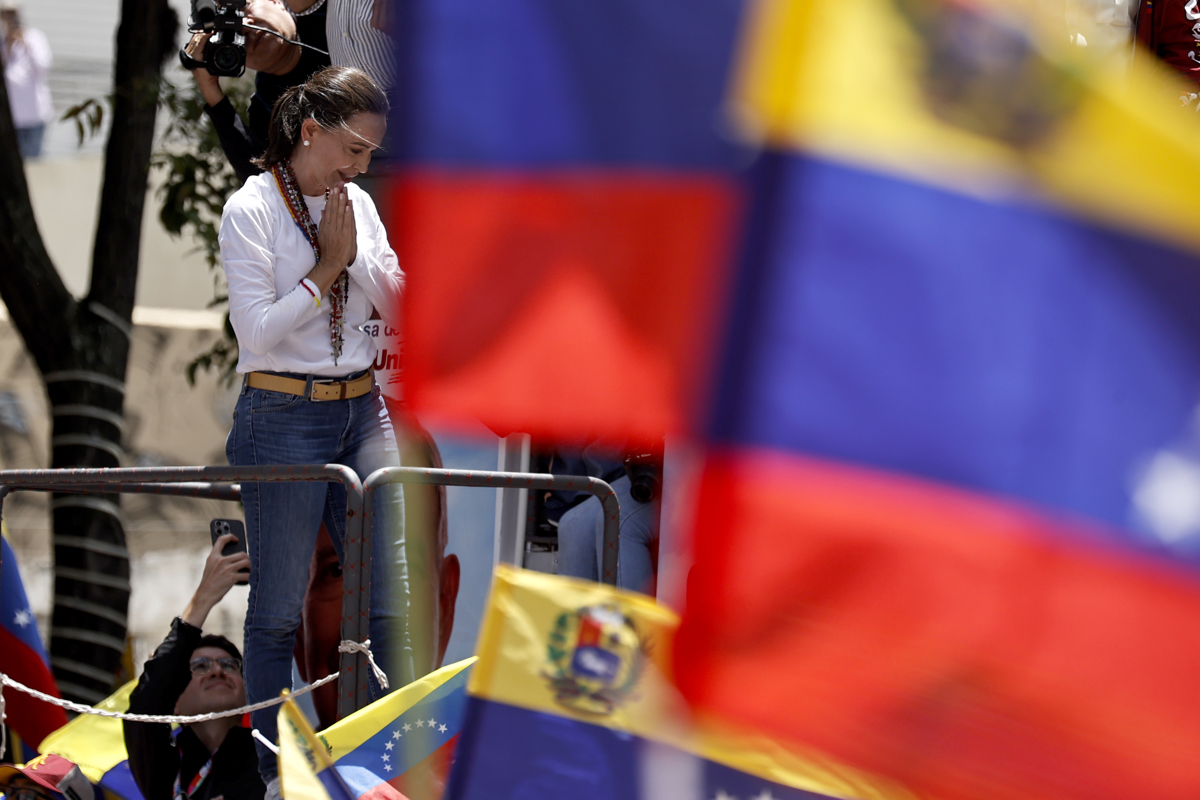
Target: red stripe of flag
x=567, y=304
x=33, y=719
x=966, y=646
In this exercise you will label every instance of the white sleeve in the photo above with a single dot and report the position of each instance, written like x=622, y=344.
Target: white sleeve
x=38, y=47
x=259, y=318
x=376, y=268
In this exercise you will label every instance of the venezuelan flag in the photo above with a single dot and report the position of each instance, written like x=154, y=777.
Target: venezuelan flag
x=564, y=211
x=571, y=698
x=97, y=745
x=404, y=741
x=23, y=658
x=948, y=530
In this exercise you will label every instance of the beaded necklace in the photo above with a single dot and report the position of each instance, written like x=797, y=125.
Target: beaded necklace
x=285, y=179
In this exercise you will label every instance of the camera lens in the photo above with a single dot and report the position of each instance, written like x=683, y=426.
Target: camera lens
x=227, y=58
x=204, y=11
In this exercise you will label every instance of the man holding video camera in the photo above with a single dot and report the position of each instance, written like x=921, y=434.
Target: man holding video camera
x=278, y=64
x=192, y=673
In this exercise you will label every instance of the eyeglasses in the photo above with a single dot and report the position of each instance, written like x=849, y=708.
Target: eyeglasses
x=202, y=664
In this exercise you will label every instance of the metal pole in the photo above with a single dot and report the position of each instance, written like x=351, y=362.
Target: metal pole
x=231, y=492
x=356, y=567
x=511, y=480
x=512, y=502
x=487, y=480
x=356, y=597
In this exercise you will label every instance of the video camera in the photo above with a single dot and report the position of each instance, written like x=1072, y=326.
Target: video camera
x=225, y=51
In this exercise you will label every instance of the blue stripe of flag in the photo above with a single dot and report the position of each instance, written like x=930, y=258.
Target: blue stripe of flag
x=16, y=615
x=1000, y=346
x=514, y=752
x=412, y=737
x=531, y=83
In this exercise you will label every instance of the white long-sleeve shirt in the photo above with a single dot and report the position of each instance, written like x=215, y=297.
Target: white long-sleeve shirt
x=265, y=255
x=26, y=65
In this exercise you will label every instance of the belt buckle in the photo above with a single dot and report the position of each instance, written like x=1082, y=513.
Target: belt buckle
x=312, y=392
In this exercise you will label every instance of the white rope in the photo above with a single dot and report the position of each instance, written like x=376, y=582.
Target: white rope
x=364, y=647
x=79, y=708
x=346, y=646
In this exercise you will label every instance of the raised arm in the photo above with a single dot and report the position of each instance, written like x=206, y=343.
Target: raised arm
x=221, y=573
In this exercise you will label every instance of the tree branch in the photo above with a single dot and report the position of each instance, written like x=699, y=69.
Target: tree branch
x=144, y=38
x=30, y=286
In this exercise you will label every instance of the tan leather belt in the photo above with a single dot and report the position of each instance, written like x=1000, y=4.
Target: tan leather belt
x=321, y=390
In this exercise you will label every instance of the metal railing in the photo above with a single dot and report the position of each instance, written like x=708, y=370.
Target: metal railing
x=223, y=483
x=207, y=482
x=488, y=480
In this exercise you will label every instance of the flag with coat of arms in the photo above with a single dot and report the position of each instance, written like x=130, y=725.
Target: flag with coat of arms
x=572, y=698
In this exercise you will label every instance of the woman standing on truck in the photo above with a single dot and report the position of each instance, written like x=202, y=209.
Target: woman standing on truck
x=307, y=260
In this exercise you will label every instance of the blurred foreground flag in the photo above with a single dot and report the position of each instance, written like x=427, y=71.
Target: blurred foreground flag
x=23, y=658
x=564, y=210
x=404, y=741
x=950, y=529
x=97, y=745
x=569, y=701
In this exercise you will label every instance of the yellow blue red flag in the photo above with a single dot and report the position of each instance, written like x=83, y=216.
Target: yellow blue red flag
x=572, y=698
x=23, y=658
x=948, y=528
x=405, y=741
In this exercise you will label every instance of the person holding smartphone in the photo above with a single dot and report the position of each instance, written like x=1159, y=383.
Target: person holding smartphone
x=194, y=673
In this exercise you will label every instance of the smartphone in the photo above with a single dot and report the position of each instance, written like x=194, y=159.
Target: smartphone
x=220, y=527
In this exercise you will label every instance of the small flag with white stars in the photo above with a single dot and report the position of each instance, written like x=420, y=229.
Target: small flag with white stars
x=403, y=741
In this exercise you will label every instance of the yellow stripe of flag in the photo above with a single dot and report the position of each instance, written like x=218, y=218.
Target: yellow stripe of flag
x=848, y=81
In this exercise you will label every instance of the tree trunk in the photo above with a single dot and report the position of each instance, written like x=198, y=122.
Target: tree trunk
x=81, y=349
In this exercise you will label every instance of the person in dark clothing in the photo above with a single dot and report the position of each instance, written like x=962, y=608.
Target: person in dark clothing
x=192, y=673
x=278, y=67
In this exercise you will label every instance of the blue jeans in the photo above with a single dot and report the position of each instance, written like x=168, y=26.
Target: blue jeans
x=282, y=521
x=29, y=141
x=581, y=539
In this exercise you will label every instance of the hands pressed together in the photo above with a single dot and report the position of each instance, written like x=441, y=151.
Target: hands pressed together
x=338, y=238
